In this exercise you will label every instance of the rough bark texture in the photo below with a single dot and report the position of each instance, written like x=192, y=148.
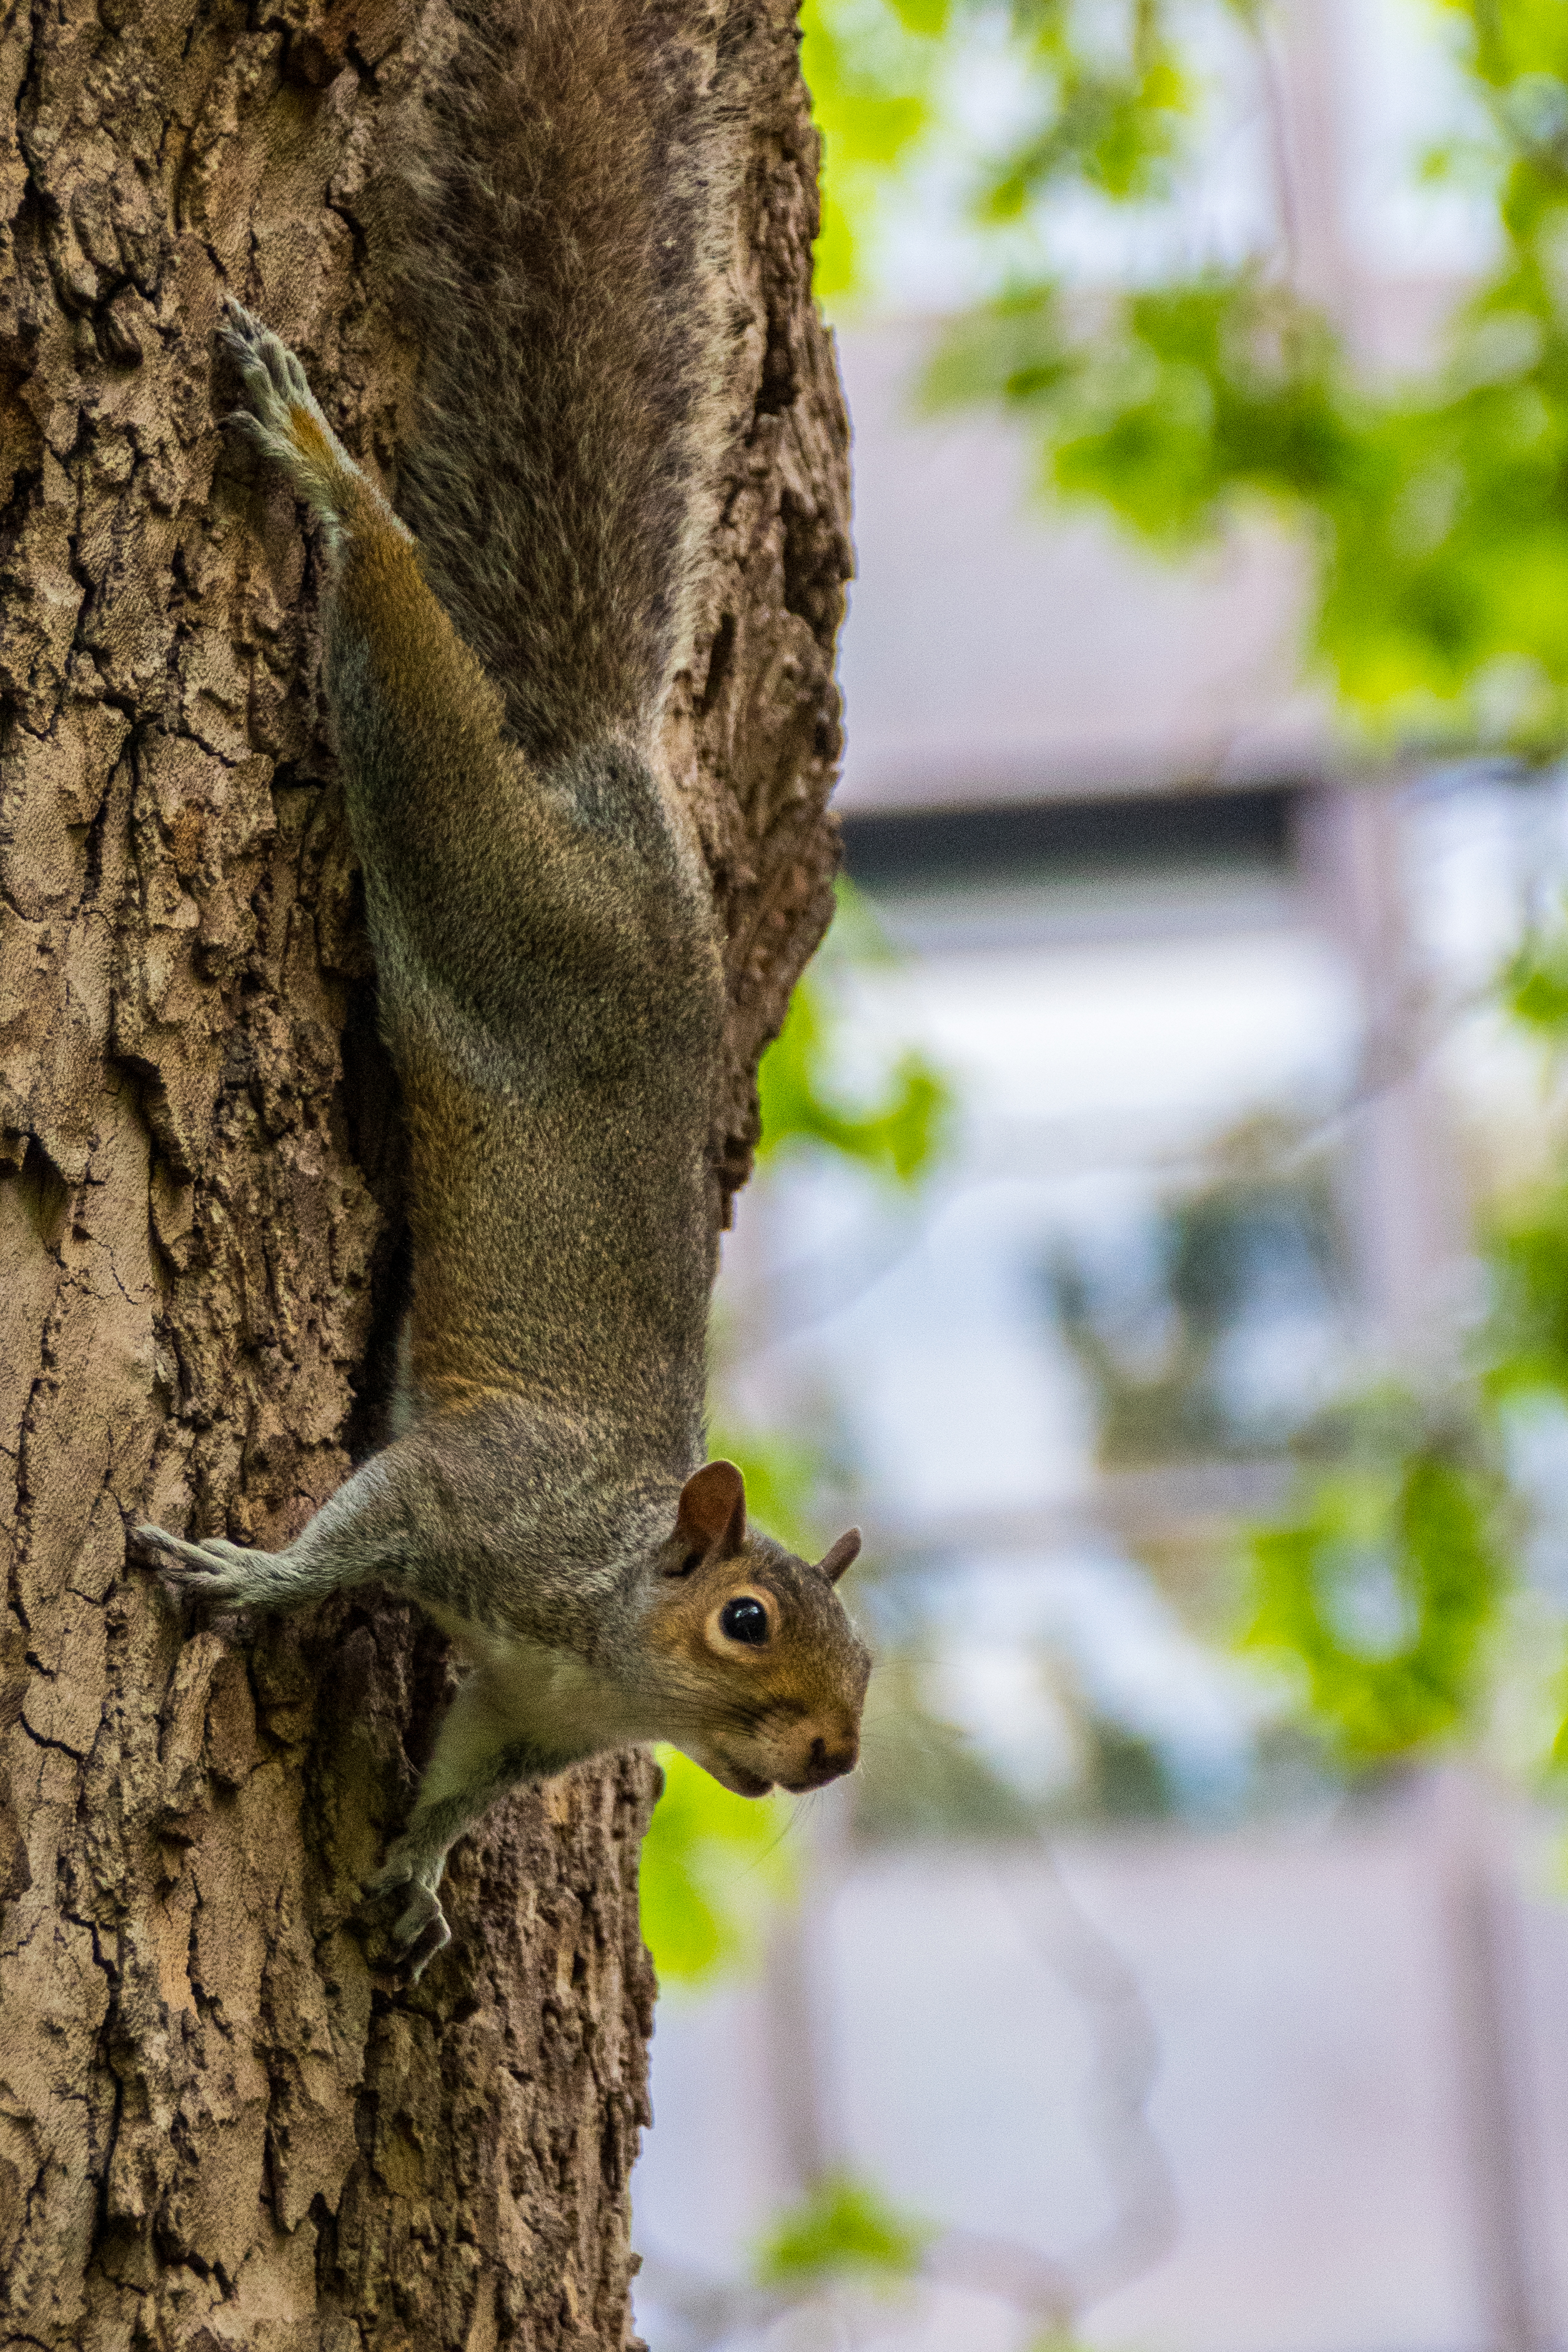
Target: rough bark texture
x=217, y=2127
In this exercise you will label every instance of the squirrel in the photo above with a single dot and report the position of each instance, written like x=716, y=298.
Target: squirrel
x=547, y=952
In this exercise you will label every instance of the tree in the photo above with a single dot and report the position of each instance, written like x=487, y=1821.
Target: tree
x=217, y=2126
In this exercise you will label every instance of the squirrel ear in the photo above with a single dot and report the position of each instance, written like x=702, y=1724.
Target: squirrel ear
x=713, y=1508
x=832, y=1563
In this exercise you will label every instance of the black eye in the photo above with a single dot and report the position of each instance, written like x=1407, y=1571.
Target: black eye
x=743, y=1620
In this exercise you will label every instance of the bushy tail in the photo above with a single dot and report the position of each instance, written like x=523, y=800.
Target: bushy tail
x=564, y=273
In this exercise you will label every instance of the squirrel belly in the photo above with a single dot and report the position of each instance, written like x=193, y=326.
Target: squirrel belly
x=550, y=1696
x=548, y=959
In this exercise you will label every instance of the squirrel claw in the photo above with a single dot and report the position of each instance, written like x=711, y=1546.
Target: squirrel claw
x=257, y=350
x=432, y=1937
x=281, y=418
x=420, y=1929
x=215, y=1570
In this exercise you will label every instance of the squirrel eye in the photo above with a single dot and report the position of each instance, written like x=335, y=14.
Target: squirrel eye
x=745, y=1621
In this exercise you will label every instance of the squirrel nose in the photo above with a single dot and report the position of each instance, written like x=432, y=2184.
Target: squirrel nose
x=828, y=1763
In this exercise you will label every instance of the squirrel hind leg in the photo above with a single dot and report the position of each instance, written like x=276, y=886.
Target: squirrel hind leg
x=401, y=1910
x=284, y=420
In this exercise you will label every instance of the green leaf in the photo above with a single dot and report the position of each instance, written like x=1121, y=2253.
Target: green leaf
x=867, y=65
x=1527, y=1335
x=1535, y=984
x=1113, y=131
x=900, y=1134
x=782, y=1470
x=843, y=2228
x=712, y=1865
x=1379, y=1598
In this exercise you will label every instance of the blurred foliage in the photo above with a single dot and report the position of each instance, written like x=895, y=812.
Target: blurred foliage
x=1527, y=1242
x=843, y=2228
x=900, y=1133
x=1386, y=1594
x=1528, y=1259
x=1435, y=511
x=868, y=65
x=1157, y=1343
x=1379, y=1596
x=919, y=1777
x=1535, y=985
x=1125, y=1777
x=897, y=1135
x=1110, y=121
x=1437, y=521
x=712, y=1864
x=1103, y=92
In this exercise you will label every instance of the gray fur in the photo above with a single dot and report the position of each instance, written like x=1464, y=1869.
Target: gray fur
x=572, y=192
x=550, y=979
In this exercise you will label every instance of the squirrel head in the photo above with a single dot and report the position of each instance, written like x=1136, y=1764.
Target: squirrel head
x=767, y=1676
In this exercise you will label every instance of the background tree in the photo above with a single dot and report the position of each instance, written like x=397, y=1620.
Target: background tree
x=217, y=2127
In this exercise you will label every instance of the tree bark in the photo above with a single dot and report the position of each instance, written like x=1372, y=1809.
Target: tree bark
x=217, y=2126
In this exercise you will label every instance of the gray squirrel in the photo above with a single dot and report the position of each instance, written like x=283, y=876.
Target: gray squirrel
x=548, y=961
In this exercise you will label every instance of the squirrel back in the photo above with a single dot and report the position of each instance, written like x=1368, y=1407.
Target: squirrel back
x=544, y=927
x=561, y=252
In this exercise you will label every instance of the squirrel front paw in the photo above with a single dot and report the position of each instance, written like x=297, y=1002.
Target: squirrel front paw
x=419, y=1930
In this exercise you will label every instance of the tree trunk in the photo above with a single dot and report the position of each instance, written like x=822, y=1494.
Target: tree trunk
x=217, y=2127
